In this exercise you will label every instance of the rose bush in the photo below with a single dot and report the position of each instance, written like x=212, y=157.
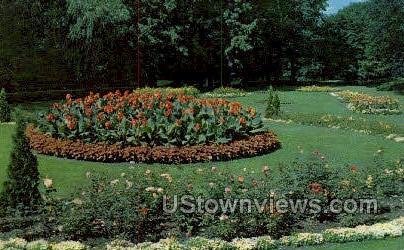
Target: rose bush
x=149, y=118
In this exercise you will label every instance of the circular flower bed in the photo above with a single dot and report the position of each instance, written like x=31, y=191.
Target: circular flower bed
x=150, y=127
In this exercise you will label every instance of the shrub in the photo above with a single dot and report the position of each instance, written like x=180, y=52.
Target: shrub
x=21, y=187
x=5, y=110
x=225, y=92
x=273, y=104
x=132, y=207
x=368, y=104
x=316, y=178
x=191, y=91
x=394, y=85
x=150, y=119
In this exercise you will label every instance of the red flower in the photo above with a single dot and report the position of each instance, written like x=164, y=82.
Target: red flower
x=197, y=127
x=120, y=116
x=71, y=122
x=134, y=122
x=108, y=125
x=316, y=187
x=354, y=169
x=108, y=109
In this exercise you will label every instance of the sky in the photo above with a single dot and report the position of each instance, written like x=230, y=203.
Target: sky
x=335, y=5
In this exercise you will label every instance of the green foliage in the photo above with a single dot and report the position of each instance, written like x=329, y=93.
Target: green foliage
x=150, y=118
x=132, y=207
x=5, y=110
x=359, y=124
x=273, y=104
x=20, y=190
x=371, y=33
x=394, y=85
x=316, y=178
x=225, y=92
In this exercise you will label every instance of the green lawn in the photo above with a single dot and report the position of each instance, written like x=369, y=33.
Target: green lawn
x=340, y=146
x=388, y=244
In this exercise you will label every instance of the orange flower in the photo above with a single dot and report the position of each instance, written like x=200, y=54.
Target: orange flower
x=108, y=109
x=88, y=112
x=197, y=127
x=134, y=122
x=242, y=121
x=51, y=118
x=120, y=116
x=108, y=125
x=71, y=122
x=101, y=117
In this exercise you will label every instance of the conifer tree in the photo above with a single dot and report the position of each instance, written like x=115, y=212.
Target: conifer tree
x=20, y=190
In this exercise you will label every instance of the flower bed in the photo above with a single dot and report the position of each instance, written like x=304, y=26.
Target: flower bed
x=75, y=149
x=225, y=92
x=393, y=228
x=315, y=88
x=150, y=118
x=368, y=104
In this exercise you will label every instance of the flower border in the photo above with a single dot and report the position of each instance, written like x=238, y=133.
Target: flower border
x=254, y=145
x=394, y=228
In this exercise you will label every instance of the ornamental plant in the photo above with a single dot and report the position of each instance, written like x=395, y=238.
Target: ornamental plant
x=5, y=110
x=20, y=190
x=225, y=92
x=273, y=104
x=151, y=118
x=368, y=104
x=315, y=88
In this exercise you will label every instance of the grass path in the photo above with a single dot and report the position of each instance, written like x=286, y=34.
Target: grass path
x=387, y=244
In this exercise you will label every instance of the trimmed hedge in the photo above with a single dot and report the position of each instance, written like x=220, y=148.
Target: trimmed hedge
x=102, y=152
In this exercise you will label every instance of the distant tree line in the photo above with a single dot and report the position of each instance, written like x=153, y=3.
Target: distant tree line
x=97, y=41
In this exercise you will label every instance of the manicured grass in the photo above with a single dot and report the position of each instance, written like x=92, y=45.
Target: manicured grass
x=340, y=146
x=388, y=244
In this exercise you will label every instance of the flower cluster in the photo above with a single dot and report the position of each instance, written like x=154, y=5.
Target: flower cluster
x=315, y=88
x=393, y=228
x=225, y=92
x=368, y=104
x=253, y=145
x=146, y=117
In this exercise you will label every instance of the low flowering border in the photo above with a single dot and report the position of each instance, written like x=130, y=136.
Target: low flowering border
x=225, y=92
x=367, y=104
x=394, y=228
x=315, y=88
x=253, y=145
